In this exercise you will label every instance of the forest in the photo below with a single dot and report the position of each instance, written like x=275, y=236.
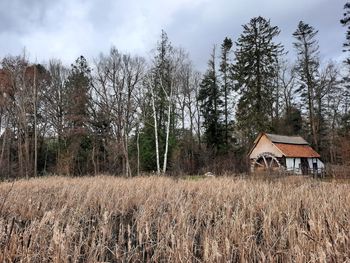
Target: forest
x=122, y=114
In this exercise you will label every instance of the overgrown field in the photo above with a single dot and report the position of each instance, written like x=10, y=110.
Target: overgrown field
x=153, y=219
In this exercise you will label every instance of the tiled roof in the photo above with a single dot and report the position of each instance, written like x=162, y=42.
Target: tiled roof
x=286, y=139
x=295, y=150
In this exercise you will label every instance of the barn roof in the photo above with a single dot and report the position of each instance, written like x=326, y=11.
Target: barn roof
x=295, y=150
x=286, y=139
x=289, y=146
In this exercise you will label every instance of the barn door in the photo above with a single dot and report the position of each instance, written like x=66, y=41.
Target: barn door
x=304, y=166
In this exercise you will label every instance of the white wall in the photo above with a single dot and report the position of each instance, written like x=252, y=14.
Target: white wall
x=293, y=165
x=311, y=161
x=289, y=164
x=320, y=164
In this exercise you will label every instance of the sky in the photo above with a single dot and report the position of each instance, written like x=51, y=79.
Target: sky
x=66, y=29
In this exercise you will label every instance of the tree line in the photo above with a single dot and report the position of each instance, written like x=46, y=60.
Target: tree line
x=121, y=114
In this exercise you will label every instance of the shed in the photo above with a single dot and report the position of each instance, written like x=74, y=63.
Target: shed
x=290, y=153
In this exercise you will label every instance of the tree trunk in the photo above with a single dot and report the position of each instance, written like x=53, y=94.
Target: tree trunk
x=27, y=154
x=310, y=94
x=20, y=155
x=126, y=154
x=138, y=150
x=93, y=158
x=155, y=130
x=35, y=126
x=4, y=138
x=167, y=132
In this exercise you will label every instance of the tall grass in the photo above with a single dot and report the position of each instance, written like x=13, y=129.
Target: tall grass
x=153, y=219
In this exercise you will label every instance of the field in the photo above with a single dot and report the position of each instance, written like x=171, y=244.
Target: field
x=158, y=219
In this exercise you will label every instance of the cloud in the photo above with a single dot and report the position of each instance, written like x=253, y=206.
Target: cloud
x=210, y=24
x=68, y=28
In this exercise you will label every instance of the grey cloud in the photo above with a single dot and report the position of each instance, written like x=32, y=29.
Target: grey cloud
x=204, y=32
x=67, y=28
x=20, y=16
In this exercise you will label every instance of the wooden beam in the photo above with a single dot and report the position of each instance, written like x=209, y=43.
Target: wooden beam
x=266, y=165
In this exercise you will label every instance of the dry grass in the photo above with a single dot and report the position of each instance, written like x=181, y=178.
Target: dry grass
x=96, y=219
x=338, y=171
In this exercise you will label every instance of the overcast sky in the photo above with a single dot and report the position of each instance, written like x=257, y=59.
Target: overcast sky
x=66, y=29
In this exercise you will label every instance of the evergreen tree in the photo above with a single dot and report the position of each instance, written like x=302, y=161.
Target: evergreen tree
x=225, y=70
x=78, y=103
x=211, y=105
x=307, y=69
x=255, y=70
x=292, y=122
x=78, y=87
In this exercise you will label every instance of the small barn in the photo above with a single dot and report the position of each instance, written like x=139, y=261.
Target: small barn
x=290, y=153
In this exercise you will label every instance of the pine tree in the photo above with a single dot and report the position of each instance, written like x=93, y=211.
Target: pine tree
x=78, y=88
x=292, y=121
x=255, y=70
x=225, y=70
x=77, y=108
x=307, y=69
x=211, y=105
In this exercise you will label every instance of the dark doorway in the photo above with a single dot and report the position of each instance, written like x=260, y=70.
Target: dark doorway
x=304, y=166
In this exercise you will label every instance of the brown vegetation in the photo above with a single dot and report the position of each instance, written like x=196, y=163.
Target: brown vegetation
x=338, y=171
x=155, y=219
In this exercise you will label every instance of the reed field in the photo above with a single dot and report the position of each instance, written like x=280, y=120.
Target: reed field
x=159, y=219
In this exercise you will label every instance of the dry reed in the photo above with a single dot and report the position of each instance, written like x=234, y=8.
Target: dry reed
x=154, y=219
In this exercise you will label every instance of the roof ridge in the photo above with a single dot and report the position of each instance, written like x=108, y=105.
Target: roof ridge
x=284, y=135
x=286, y=139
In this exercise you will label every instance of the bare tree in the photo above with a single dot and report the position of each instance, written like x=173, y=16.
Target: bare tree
x=116, y=82
x=24, y=87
